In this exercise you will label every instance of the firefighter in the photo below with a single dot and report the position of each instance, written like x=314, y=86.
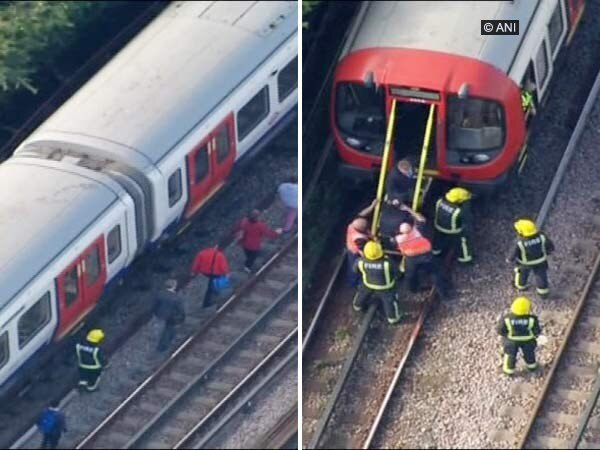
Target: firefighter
x=520, y=330
x=377, y=281
x=416, y=249
x=357, y=235
x=531, y=255
x=90, y=360
x=453, y=223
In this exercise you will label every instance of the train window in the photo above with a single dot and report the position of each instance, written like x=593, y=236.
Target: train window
x=252, y=113
x=36, y=318
x=71, y=286
x=113, y=243
x=175, y=187
x=360, y=115
x=475, y=124
x=541, y=65
x=222, y=143
x=92, y=266
x=4, y=352
x=555, y=28
x=287, y=80
x=201, y=164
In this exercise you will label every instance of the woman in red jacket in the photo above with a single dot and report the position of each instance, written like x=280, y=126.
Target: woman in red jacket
x=251, y=232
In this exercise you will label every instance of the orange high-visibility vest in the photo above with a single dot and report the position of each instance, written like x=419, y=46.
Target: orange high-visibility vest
x=413, y=243
x=352, y=235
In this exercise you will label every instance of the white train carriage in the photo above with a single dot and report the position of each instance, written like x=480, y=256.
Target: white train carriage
x=131, y=156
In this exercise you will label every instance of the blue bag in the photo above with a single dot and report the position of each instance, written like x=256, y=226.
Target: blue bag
x=221, y=283
x=48, y=421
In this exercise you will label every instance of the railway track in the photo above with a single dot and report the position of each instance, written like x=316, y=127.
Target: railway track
x=209, y=365
x=351, y=419
x=284, y=433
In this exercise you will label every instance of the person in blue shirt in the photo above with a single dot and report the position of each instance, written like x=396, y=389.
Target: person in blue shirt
x=52, y=424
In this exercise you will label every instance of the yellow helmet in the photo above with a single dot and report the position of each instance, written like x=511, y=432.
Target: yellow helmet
x=95, y=336
x=373, y=250
x=521, y=306
x=458, y=195
x=525, y=227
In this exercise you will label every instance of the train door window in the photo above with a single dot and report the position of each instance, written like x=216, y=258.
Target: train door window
x=252, y=113
x=34, y=320
x=92, y=266
x=287, y=80
x=113, y=243
x=222, y=143
x=71, y=286
x=175, y=190
x=201, y=164
x=541, y=66
x=555, y=28
x=4, y=351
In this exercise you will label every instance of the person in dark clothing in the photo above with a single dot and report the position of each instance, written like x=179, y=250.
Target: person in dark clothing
x=52, y=423
x=90, y=360
x=453, y=225
x=378, y=281
x=252, y=231
x=531, y=254
x=169, y=308
x=520, y=330
x=211, y=263
x=401, y=182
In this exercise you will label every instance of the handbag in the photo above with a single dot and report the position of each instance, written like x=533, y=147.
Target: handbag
x=221, y=282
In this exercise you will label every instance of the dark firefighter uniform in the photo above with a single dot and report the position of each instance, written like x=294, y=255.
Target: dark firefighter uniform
x=90, y=359
x=519, y=332
x=378, y=281
x=531, y=255
x=453, y=225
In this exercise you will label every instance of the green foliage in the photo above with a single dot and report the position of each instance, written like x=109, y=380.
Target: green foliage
x=307, y=7
x=33, y=33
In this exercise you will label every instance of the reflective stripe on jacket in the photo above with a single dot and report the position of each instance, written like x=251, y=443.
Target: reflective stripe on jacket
x=519, y=328
x=413, y=243
x=88, y=357
x=447, y=217
x=377, y=275
x=532, y=251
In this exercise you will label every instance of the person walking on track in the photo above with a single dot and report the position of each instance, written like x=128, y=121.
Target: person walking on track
x=531, y=254
x=453, y=223
x=52, y=424
x=212, y=263
x=520, y=330
x=288, y=195
x=90, y=359
x=378, y=281
x=357, y=235
x=251, y=232
x=168, y=307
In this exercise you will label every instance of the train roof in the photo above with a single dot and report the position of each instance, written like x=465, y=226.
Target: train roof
x=42, y=210
x=452, y=27
x=174, y=73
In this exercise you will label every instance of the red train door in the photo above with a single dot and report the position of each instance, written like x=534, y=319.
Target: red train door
x=209, y=163
x=80, y=286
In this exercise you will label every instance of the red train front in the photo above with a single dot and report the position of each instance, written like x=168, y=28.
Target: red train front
x=475, y=81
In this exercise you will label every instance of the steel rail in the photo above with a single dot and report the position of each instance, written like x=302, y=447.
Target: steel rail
x=339, y=386
x=158, y=419
x=541, y=218
x=322, y=302
x=400, y=369
x=282, y=432
x=186, y=344
x=248, y=379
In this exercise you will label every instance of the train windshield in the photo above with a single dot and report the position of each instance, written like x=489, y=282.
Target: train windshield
x=475, y=125
x=360, y=116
